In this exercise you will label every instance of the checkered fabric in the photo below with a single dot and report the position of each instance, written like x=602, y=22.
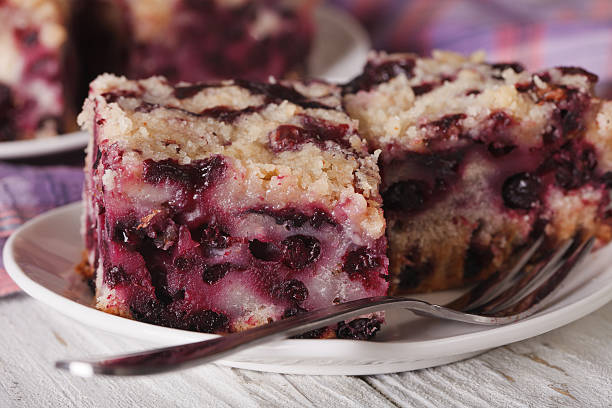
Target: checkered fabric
x=28, y=191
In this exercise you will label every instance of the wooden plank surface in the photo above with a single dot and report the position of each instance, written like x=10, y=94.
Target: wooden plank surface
x=571, y=366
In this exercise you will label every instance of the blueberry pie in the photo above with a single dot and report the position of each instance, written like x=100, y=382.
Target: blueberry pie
x=478, y=160
x=35, y=96
x=217, y=207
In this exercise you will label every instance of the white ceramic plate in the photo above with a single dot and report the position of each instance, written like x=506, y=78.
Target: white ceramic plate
x=20, y=149
x=41, y=255
x=340, y=50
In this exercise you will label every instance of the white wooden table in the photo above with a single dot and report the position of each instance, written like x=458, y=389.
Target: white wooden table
x=571, y=366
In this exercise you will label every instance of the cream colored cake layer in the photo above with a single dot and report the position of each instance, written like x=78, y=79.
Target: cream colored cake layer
x=391, y=113
x=333, y=176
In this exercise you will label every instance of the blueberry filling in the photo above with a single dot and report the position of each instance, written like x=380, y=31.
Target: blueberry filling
x=522, y=191
x=146, y=107
x=265, y=251
x=148, y=310
x=212, y=236
x=295, y=311
x=291, y=138
x=300, y=251
x=446, y=127
x=293, y=291
x=360, y=263
x=114, y=276
x=476, y=259
x=515, y=66
x=111, y=97
x=184, y=92
x=292, y=218
x=412, y=275
x=573, y=165
x=358, y=329
x=206, y=321
x=423, y=88
x=277, y=93
x=407, y=195
x=199, y=175
x=579, y=71
x=568, y=117
x=228, y=115
x=375, y=74
x=125, y=231
x=214, y=273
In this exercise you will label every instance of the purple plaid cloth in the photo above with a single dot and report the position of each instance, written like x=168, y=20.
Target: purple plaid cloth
x=27, y=191
x=538, y=33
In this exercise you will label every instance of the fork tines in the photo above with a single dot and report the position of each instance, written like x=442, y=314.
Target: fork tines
x=519, y=290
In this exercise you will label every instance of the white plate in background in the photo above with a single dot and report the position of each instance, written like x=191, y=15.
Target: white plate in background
x=339, y=52
x=41, y=255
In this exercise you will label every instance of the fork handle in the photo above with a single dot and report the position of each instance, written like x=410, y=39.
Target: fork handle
x=193, y=354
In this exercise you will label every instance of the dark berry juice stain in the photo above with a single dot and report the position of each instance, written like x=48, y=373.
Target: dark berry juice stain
x=146, y=107
x=515, y=66
x=228, y=115
x=375, y=74
x=579, y=71
x=188, y=91
x=277, y=93
x=423, y=88
x=197, y=176
x=114, y=96
x=291, y=138
x=287, y=138
x=500, y=149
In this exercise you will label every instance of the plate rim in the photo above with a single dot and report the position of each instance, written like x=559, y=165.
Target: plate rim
x=20, y=149
x=378, y=362
x=65, y=142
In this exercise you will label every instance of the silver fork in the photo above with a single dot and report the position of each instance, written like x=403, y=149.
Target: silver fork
x=505, y=297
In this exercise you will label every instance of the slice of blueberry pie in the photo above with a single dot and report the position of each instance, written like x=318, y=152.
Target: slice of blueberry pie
x=196, y=40
x=480, y=159
x=33, y=69
x=220, y=207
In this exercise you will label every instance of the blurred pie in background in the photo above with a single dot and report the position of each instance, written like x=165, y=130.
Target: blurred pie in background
x=51, y=49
